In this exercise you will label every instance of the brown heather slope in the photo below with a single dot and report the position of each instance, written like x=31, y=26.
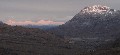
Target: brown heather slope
x=17, y=40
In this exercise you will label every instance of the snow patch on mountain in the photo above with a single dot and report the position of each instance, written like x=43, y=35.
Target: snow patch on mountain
x=97, y=9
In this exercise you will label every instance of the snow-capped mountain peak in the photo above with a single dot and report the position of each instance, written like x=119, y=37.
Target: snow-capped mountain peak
x=97, y=9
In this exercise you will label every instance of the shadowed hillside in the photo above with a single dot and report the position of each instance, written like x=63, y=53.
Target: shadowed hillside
x=17, y=40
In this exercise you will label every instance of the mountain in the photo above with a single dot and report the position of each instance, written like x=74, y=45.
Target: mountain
x=94, y=26
x=92, y=21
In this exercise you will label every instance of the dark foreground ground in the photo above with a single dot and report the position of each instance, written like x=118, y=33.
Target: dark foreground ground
x=27, y=41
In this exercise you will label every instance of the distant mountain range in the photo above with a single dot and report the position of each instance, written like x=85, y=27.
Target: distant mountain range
x=43, y=27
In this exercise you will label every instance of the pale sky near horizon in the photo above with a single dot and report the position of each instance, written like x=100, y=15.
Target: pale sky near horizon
x=54, y=10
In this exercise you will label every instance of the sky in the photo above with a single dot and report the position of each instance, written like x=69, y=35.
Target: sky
x=15, y=12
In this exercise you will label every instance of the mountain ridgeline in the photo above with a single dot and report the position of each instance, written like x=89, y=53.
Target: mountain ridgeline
x=94, y=26
x=95, y=21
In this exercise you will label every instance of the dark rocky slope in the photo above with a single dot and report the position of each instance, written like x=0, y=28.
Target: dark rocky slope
x=93, y=27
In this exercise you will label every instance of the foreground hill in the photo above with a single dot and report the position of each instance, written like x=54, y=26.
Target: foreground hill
x=16, y=40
